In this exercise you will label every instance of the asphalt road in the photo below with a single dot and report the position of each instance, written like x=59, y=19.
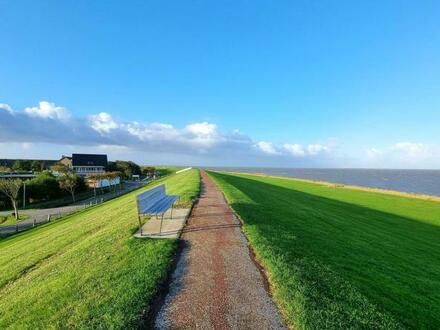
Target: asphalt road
x=38, y=216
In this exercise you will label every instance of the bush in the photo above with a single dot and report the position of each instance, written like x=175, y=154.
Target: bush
x=43, y=187
x=3, y=218
x=4, y=202
x=127, y=168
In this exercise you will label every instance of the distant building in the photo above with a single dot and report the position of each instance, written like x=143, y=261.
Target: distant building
x=85, y=164
x=103, y=183
x=66, y=161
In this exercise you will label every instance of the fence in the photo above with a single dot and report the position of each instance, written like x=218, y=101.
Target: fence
x=43, y=218
x=49, y=215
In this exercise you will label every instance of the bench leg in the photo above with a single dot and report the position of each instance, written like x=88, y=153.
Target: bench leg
x=172, y=211
x=140, y=224
x=161, y=221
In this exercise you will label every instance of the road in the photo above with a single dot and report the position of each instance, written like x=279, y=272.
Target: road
x=39, y=216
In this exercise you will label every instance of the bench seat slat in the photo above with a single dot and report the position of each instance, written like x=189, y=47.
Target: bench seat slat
x=155, y=201
x=162, y=205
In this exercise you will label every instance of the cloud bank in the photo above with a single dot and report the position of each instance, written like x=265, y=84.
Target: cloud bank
x=48, y=124
x=406, y=154
x=53, y=124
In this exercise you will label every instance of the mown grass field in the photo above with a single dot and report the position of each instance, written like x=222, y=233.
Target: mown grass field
x=342, y=258
x=86, y=271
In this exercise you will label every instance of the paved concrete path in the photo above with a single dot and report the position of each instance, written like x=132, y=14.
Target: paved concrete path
x=171, y=227
x=216, y=285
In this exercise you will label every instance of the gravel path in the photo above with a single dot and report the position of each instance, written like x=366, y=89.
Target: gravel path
x=216, y=285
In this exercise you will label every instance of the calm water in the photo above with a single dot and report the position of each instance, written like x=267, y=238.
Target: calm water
x=415, y=181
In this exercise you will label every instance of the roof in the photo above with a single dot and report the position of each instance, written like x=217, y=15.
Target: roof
x=89, y=160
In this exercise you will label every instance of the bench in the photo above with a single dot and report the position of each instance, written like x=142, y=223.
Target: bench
x=155, y=202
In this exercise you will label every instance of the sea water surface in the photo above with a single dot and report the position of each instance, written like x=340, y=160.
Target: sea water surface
x=412, y=181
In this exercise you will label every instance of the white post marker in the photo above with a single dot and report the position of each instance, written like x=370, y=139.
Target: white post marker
x=184, y=170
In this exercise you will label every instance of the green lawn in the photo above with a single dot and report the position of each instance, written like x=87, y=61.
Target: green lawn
x=6, y=220
x=86, y=271
x=342, y=258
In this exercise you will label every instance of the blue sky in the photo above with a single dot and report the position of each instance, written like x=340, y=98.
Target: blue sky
x=273, y=83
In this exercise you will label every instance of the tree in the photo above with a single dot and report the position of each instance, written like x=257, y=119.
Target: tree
x=61, y=169
x=37, y=165
x=22, y=165
x=4, y=169
x=43, y=187
x=148, y=171
x=11, y=188
x=127, y=168
x=69, y=182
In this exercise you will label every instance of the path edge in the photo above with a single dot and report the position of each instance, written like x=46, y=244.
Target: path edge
x=265, y=274
x=147, y=318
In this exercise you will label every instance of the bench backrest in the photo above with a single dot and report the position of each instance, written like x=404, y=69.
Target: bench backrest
x=150, y=197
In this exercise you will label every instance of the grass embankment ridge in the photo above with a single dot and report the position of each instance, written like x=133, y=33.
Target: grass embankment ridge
x=342, y=258
x=345, y=186
x=87, y=271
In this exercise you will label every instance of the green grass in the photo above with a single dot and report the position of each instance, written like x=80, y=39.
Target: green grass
x=166, y=170
x=86, y=271
x=6, y=220
x=341, y=258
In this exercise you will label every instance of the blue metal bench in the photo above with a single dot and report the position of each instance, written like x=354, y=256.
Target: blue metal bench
x=155, y=202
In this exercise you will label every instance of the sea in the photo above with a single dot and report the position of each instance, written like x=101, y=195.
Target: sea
x=425, y=182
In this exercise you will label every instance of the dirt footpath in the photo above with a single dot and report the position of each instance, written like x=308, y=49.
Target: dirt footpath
x=216, y=285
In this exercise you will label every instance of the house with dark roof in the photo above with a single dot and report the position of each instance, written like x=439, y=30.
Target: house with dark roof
x=85, y=164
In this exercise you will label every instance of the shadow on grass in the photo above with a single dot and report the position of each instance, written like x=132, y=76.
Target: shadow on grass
x=323, y=252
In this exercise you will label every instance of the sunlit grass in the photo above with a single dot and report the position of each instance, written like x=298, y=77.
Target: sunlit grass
x=341, y=258
x=86, y=271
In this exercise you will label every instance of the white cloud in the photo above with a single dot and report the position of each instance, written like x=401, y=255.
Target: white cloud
x=316, y=149
x=267, y=148
x=102, y=122
x=204, y=134
x=373, y=153
x=412, y=149
x=48, y=123
x=48, y=110
x=6, y=107
x=405, y=155
x=403, y=150
x=27, y=145
x=309, y=150
x=151, y=132
x=295, y=149
x=202, y=129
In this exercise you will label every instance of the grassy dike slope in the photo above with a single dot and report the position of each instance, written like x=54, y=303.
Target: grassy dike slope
x=86, y=271
x=342, y=258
